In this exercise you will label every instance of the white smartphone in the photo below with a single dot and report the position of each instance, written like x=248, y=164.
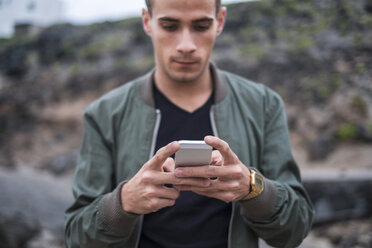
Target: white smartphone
x=193, y=153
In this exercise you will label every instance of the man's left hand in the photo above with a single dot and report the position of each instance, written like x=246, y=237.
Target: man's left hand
x=229, y=177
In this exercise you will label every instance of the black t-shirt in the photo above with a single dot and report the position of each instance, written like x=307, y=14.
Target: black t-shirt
x=194, y=221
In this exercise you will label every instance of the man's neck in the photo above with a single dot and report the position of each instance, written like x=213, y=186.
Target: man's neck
x=186, y=95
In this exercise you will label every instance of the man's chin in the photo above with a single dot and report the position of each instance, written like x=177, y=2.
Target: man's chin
x=185, y=74
x=185, y=77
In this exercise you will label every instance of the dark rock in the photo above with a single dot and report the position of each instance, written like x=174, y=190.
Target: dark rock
x=340, y=198
x=321, y=147
x=53, y=43
x=350, y=241
x=62, y=163
x=364, y=134
x=292, y=122
x=13, y=60
x=16, y=229
x=368, y=7
x=28, y=196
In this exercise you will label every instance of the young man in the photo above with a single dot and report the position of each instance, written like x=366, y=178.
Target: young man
x=252, y=187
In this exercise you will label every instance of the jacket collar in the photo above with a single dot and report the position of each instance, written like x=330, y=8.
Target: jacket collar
x=218, y=78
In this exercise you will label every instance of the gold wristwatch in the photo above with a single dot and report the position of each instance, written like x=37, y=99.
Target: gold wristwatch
x=257, y=185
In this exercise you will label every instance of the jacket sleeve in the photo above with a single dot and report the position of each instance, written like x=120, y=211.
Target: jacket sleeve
x=282, y=215
x=96, y=218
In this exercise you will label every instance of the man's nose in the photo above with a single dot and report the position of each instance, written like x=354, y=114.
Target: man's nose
x=186, y=44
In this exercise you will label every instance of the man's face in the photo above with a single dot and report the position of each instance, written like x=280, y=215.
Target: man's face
x=183, y=34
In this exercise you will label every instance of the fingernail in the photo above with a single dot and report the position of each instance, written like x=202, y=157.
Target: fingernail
x=174, y=144
x=207, y=182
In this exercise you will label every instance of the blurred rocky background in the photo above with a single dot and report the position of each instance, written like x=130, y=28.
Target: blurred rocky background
x=316, y=54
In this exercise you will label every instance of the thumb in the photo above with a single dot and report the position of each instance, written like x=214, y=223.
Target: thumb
x=157, y=161
x=229, y=157
x=216, y=158
x=169, y=165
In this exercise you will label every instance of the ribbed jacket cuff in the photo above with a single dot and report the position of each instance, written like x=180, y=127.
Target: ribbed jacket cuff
x=114, y=218
x=262, y=206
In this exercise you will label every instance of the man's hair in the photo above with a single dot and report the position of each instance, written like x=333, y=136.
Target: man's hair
x=150, y=4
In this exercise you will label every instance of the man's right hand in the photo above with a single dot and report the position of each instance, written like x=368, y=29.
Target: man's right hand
x=146, y=191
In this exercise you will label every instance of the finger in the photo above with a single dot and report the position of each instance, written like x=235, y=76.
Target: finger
x=216, y=158
x=229, y=157
x=157, y=161
x=162, y=178
x=210, y=171
x=169, y=165
x=166, y=193
x=156, y=204
x=216, y=186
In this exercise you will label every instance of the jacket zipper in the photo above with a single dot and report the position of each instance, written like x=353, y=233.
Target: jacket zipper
x=152, y=151
x=213, y=122
x=215, y=133
x=230, y=225
x=155, y=134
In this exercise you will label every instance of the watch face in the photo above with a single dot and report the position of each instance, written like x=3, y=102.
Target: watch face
x=258, y=182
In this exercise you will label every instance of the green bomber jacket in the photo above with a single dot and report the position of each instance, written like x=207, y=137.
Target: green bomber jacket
x=120, y=131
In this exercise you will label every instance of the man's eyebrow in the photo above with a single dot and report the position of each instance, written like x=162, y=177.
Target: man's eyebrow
x=204, y=19
x=168, y=19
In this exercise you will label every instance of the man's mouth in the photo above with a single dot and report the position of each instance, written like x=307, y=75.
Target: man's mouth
x=185, y=62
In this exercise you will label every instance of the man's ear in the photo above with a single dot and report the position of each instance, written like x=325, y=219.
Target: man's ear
x=221, y=20
x=146, y=22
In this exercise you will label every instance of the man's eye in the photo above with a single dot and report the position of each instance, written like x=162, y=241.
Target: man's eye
x=201, y=28
x=170, y=28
